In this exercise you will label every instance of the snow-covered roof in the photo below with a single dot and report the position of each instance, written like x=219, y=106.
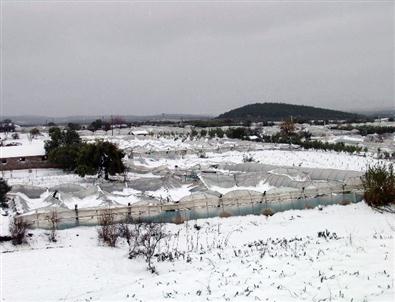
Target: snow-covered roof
x=34, y=148
x=139, y=132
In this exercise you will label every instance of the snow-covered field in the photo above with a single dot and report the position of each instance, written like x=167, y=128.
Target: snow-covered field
x=252, y=258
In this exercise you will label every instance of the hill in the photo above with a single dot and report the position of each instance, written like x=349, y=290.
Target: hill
x=280, y=111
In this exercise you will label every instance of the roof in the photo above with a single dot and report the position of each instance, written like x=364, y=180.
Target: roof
x=34, y=148
x=139, y=132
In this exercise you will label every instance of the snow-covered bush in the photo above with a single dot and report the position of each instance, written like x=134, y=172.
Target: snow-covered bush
x=18, y=228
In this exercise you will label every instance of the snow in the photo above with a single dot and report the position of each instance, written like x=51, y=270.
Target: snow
x=251, y=258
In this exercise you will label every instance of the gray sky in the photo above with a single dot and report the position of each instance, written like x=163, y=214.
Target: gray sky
x=80, y=58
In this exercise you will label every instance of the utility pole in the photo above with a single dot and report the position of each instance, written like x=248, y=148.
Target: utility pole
x=112, y=127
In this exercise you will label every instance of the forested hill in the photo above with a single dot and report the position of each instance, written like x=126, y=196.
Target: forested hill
x=280, y=111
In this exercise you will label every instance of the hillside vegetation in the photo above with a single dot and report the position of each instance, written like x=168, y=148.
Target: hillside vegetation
x=280, y=111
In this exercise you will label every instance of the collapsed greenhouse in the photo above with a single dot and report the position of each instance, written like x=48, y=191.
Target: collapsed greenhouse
x=163, y=195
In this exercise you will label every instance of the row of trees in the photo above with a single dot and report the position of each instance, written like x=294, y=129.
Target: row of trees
x=367, y=129
x=66, y=150
x=215, y=132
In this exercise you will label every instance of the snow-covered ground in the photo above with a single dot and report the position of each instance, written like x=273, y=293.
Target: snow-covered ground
x=251, y=258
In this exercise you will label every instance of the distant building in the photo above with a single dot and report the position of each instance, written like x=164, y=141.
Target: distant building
x=24, y=156
x=139, y=132
x=25, y=162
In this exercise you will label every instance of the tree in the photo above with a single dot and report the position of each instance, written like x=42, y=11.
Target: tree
x=7, y=126
x=4, y=189
x=212, y=133
x=61, y=138
x=287, y=127
x=65, y=157
x=239, y=132
x=66, y=150
x=56, y=139
x=74, y=126
x=220, y=132
x=106, y=126
x=95, y=125
x=34, y=132
x=194, y=133
x=63, y=148
x=101, y=158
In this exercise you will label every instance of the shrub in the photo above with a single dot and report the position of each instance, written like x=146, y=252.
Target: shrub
x=108, y=231
x=144, y=242
x=379, y=185
x=268, y=212
x=53, y=220
x=18, y=228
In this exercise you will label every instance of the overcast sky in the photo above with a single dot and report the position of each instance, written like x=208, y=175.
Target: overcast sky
x=81, y=58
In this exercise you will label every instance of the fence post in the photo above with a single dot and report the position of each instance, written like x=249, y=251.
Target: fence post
x=129, y=211
x=37, y=222
x=77, y=220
